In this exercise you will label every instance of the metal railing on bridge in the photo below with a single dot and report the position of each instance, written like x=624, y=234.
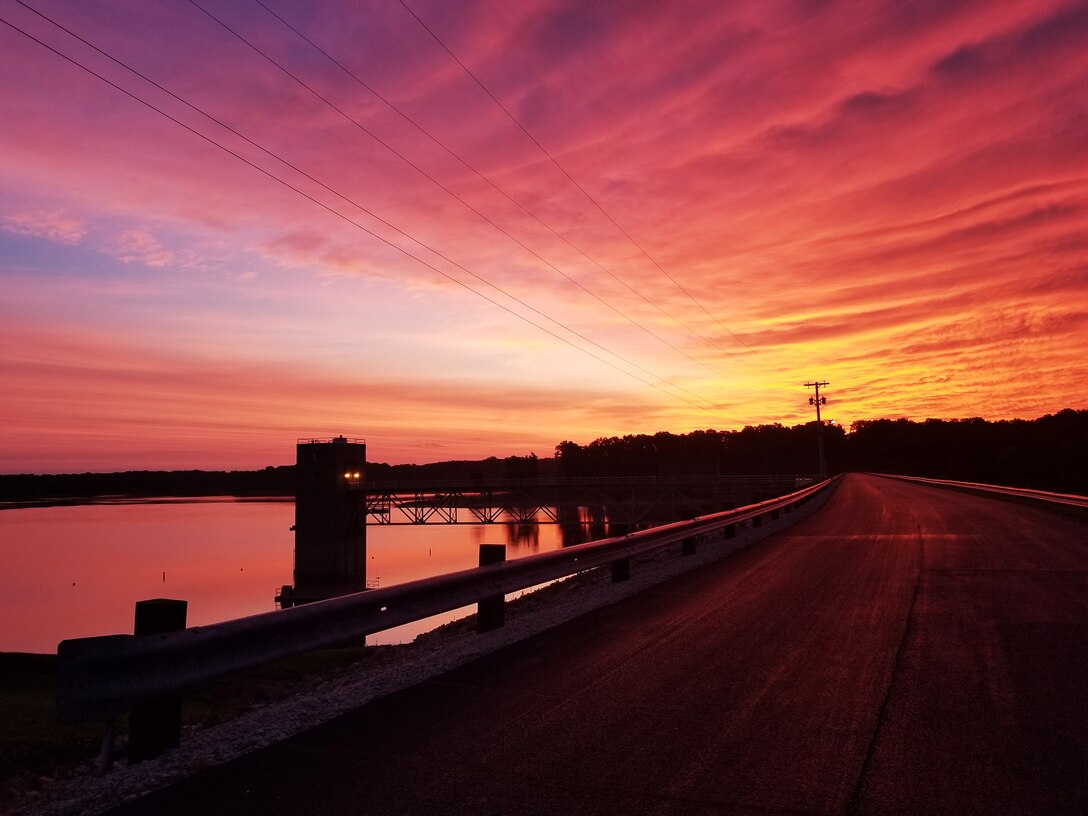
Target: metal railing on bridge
x=630, y=500
x=412, y=485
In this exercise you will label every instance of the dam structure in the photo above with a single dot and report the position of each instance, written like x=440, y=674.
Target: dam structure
x=330, y=520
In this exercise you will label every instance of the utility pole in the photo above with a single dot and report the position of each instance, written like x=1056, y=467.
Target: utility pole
x=818, y=401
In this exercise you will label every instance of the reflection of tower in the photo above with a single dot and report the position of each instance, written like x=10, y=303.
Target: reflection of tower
x=330, y=520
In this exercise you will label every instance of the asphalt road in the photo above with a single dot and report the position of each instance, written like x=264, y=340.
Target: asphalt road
x=906, y=649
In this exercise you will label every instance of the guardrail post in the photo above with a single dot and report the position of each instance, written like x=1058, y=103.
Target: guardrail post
x=154, y=726
x=491, y=611
x=774, y=515
x=687, y=546
x=621, y=570
x=730, y=531
x=757, y=521
x=105, y=756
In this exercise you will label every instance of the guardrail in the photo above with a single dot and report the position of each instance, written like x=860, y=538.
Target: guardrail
x=1067, y=499
x=99, y=678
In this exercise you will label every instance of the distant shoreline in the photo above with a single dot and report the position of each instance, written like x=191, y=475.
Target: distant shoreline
x=79, y=501
x=273, y=483
x=40, y=490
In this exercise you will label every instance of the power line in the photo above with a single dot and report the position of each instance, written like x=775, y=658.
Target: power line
x=468, y=206
x=570, y=178
x=444, y=188
x=355, y=223
x=453, y=154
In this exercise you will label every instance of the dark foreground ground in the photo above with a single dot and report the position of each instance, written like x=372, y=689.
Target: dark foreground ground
x=904, y=650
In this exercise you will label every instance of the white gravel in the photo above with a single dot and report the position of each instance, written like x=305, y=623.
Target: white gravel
x=431, y=655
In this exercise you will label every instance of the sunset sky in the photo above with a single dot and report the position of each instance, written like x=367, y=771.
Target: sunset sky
x=629, y=217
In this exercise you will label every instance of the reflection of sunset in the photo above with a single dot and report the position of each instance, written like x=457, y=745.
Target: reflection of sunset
x=77, y=571
x=96, y=561
x=891, y=201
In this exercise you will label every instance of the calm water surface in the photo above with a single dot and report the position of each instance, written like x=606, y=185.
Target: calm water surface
x=77, y=571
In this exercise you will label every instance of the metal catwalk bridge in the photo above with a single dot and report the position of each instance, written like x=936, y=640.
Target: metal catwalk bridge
x=568, y=500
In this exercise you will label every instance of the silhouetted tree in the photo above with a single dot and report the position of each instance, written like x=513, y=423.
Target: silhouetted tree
x=1049, y=453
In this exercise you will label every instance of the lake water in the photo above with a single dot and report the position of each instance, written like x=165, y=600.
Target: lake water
x=77, y=571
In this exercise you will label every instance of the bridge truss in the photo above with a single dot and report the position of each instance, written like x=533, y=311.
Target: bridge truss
x=624, y=500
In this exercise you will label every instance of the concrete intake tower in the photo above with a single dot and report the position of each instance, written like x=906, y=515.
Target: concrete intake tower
x=330, y=520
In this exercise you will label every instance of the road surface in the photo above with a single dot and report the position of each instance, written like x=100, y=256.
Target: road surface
x=906, y=649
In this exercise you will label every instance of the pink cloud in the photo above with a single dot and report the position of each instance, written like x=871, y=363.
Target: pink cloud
x=139, y=246
x=54, y=226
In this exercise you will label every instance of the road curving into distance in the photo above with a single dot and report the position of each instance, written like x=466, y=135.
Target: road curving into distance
x=906, y=649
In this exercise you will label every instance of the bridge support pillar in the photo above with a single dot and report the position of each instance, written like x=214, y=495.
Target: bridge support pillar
x=621, y=570
x=491, y=611
x=154, y=727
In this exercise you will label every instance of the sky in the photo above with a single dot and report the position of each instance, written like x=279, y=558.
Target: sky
x=474, y=228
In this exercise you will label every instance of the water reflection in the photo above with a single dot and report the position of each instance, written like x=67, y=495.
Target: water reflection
x=77, y=571
x=523, y=536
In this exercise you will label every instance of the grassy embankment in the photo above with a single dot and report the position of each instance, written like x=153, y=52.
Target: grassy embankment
x=35, y=748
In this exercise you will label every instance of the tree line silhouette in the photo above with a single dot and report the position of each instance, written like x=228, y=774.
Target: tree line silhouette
x=762, y=449
x=1048, y=453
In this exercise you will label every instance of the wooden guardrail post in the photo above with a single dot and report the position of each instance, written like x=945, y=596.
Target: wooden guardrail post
x=491, y=611
x=154, y=727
